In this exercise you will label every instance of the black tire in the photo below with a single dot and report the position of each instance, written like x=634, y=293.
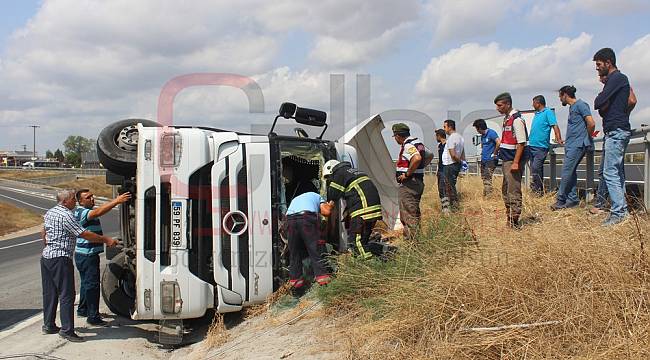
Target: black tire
x=119, y=159
x=118, y=286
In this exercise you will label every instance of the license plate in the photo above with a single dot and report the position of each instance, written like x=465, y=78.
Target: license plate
x=178, y=225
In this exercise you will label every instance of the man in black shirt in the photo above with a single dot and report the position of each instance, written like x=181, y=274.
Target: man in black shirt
x=612, y=104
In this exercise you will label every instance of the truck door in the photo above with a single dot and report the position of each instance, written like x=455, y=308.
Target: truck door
x=367, y=151
x=242, y=220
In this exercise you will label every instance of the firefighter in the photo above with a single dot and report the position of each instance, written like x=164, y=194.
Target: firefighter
x=363, y=204
x=413, y=158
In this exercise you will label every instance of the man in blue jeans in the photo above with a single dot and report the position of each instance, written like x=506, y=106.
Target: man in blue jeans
x=539, y=142
x=86, y=255
x=613, y=105
x=577, y=143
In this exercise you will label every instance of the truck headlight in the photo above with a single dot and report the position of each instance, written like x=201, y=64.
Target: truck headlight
x=171, y=146
x=170, y=297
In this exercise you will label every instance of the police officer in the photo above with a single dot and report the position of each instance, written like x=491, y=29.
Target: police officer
x=412, y=159
x=304, y=236
x=362, y=201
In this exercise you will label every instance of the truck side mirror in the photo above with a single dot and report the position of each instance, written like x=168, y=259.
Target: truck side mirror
x=287, y=110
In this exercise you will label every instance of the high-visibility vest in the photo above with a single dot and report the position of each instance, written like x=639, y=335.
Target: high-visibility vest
x=402, y=165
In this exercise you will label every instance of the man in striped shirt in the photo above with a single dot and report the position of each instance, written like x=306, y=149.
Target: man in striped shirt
x=57, y=272
x=86, y=255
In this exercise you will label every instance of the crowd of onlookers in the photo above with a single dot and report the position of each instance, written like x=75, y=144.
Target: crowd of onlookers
x=517, y=145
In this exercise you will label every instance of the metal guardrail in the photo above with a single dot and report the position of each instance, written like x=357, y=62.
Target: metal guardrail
x=639, y=144
x=78, y=171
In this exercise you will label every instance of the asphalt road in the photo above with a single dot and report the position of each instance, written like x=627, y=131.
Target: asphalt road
x=20, y=278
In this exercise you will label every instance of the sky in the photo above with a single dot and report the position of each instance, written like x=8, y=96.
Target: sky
x=72, y=67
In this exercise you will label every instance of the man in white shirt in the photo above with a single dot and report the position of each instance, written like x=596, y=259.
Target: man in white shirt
x=452, y=159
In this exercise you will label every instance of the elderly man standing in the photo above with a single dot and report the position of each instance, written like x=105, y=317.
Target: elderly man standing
x=57, y=272
x=86, y=255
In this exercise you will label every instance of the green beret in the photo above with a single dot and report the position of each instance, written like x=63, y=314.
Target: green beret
x=503, y=96
x=401, y=128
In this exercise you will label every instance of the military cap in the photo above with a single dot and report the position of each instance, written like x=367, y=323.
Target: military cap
x=401, y=128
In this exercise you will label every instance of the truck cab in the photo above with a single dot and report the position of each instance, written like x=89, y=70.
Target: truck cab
x=203, y=228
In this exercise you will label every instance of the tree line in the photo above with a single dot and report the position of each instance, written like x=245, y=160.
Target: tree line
x=73, y=146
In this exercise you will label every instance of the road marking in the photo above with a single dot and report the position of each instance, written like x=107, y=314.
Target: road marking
x=24, y=202
x=45, y=196
x=21, y=244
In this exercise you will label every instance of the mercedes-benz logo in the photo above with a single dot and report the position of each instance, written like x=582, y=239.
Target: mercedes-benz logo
x=235, y=223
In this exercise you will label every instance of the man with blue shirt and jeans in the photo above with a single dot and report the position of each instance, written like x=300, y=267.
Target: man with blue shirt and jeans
x=86, y=255
x=304, y=236
x=614, y=106
x=578, y=142
x=490, y=143
x=539, y=142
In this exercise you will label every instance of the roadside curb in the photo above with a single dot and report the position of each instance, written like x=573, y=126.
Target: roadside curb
x=16, y=234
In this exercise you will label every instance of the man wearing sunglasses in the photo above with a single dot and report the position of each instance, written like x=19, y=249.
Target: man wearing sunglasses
x=87, y=253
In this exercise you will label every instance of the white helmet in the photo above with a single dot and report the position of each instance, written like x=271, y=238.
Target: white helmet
x=329, y=166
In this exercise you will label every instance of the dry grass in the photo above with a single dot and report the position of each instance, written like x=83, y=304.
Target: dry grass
x=96, y=184
x=13, y=218
x=217, y=333
x=469, y=270
x=26, y=174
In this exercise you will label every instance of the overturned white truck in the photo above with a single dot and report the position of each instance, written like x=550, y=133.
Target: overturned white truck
x=202, y=230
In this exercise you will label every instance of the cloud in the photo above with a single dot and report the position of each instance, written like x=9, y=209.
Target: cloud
x=463, y=19
x=473, y=71
x=346, y=33
x=560, y=10
x=348, y=53
x=634, y=60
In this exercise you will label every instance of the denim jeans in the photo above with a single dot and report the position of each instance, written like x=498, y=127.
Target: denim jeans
x=88, y=266
x=616, y=142
x=602, y=195
x=537, y=158
x=568, y=192
x=451, y=176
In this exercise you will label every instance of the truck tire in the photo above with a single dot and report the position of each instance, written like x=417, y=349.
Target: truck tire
x=118, y=286
x=117, y=145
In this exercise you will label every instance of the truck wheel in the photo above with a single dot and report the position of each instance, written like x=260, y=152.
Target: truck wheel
x=117, y=145
x=118, y=286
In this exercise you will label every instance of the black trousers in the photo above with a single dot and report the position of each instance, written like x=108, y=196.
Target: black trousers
x=359, y=235
x=304, y=236
x=88, y=266
x=57, y=277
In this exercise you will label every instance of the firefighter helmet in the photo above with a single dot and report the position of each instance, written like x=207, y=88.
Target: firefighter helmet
x=329, y=166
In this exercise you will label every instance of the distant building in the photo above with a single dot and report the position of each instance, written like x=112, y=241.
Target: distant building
x=89, y=160
x=15, y=158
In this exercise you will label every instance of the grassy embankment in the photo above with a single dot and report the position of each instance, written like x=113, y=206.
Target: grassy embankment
x=561, y=287
x=13, y=218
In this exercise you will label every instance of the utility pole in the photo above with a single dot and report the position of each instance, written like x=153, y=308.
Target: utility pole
x=34, y=127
